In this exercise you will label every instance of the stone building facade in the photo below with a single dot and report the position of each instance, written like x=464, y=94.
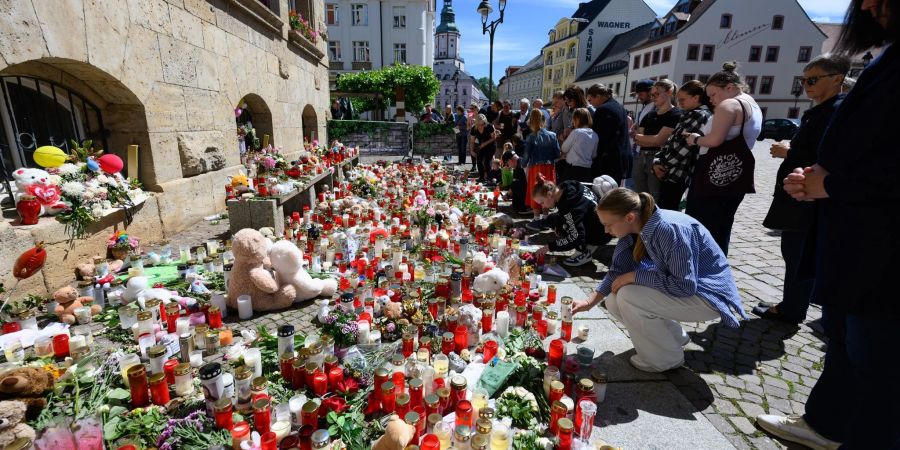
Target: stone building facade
x=167, y=76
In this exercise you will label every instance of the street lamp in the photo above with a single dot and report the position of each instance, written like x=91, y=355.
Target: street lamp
x=796, y=91
x=455, y=79
x=485, y=10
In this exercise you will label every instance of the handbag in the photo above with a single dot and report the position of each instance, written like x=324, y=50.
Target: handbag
x=726, y=169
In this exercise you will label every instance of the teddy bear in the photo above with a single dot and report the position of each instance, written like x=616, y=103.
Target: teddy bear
x=68, y=301
x=12, y=423
x=397, y=435
x=287, y=260
x=481, y=263
x=28, y=385
x=38, y=183
x=392, y=310
x=491, y=281
x=250, y=277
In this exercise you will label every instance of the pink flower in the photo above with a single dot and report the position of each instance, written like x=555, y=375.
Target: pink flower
x=269, y=162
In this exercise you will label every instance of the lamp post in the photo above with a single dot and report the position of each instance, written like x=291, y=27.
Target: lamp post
x=796, y=91
x=485, y=10
x=456, y=87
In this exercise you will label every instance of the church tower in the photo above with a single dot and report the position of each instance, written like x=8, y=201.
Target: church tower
x=446, y=39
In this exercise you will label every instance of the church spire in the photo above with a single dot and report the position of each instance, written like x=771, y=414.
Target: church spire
x=448, y=19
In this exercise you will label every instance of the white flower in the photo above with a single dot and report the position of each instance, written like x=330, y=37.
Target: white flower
x=97, y=210
x=68, y=169
x=72, y=189
x=103, y=179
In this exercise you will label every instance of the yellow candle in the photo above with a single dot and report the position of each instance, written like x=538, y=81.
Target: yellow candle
x=499, y=436
x=443, y=432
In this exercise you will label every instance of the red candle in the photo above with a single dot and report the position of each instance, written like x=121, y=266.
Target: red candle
x=566, y=330
x=555, y=356
x=557, y=411
x=173, y=313
x=541, y=327
x=487, y=320
x=447, y=344
x=335, y=376
x=268, y=441
x=215, y=317
x=224, y=414
x=61, y=345
x=464, y=413
x=309, y=416
x=169, y=370
x=388, y=398
x=490, y=350
x=551, y=294
x=564, y=428
x=262, y=415
x=381, y=376
x=11, y=327
x=320, y=383
x=163, y=317
x=305, y=435
x=416, y=392
x=286, y=366
x=407, y=345
x=298, y=375
x=159, y=389
x=461, y=338
x=137, y=383
x=399, y=379
x=430, y=442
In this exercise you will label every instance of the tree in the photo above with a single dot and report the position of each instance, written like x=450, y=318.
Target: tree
x=419, y=83
x=483, y=84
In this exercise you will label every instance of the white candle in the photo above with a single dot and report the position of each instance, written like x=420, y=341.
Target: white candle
x=345, y=220
x=329, y=256
x=212, y=247
x=76, y=342
x=397, y=259
x=379, y=246
x=583, y=331
x=252, y=359
x=363, y=332
x=197, y=358
x=403, y=268
x=502, y=321
x=296, y=404
x=245, y=307
x=395, y=221
x=219, y=300
x=182, y=325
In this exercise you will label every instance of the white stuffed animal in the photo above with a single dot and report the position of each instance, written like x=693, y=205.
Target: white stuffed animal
x=481, y=263
x=287, y=260
x=138, y=289
x=491, y=281
x=38, y=183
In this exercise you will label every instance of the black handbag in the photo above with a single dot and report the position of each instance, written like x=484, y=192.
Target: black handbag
x=726, y=169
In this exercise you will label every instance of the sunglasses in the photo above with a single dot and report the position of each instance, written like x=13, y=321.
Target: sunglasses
x=811, y=81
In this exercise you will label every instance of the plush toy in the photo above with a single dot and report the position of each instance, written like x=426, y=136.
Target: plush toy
x=287, y=260
x=392, y=310
x=68, y=301
x=28, y=385
x=249, y=276
x=240, y=183
x=138, y=289
x=491, y=281
x=397, y=435
x=37, y=182
x=481, y=263
x=12, y=423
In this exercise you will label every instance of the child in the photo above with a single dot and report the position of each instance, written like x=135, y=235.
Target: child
x=494, y=175
x=506, y=173
x=518, y=185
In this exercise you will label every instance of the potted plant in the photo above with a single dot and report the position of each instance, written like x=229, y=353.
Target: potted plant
x=121, y=244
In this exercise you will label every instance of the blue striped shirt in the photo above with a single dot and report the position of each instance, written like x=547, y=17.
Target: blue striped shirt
x=682, y=260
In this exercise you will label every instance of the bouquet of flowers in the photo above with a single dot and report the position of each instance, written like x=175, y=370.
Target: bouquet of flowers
x=303, y=26
x=266, y=160
x=342, y=327
x=123, y=241
x=520, y=405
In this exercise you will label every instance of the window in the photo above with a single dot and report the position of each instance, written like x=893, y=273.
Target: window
x=618, y=88
x=793, y=113
x=778, y=22
x=667, y=54
x=693, y=52
x=656, y=55
x=765, y=112
x=464, y=91
x=361, y=51
x=399, y=17
x=400, y=53
x=331, y=14
x=646, y=59
x=765, y=85
x=751, y=84
x=804, y=55
x=359, y=15
x=334, y=49
x=633, y=85
x=687, y=77
x=703, y=78
x=709, y=53
x=637, y=62
x=725, y=21
x=797, y=86
x=755, y=53
x=549, y=74
x=772, y=54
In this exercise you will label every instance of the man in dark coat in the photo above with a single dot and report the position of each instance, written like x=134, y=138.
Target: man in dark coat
x=611, y=125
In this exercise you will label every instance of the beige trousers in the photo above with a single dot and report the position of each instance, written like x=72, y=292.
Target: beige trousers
x=652, y=317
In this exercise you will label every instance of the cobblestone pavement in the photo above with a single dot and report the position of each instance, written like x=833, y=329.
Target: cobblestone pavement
x=731, y=375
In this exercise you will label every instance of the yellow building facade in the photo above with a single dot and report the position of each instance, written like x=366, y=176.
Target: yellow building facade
x=560, y=57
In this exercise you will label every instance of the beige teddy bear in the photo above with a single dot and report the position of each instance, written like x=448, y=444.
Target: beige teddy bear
x=12, y=425
x=68, y=301
x=250, y=277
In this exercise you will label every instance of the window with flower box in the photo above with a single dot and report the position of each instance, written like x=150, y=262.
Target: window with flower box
x=361, y=51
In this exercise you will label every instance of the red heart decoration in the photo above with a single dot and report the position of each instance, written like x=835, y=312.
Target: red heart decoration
x=48, y=195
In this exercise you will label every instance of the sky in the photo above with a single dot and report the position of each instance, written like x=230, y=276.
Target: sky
x=525, y=23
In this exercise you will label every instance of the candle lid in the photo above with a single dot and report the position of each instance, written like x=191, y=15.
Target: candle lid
x=411, y=418
x=214, y=309
x=261, y=404
x=458, y=382
x=144, y=315
x=553, y=315
x=259, y=382
x=483, y=426
x=598, y=376
x=157, y=351
x=321, y=437
x=416, y=383
x=286, y=356
x=210, y=371
x=311, y=366
x=387, y=386
x=402, y=399
x=285, y=330
x=486, y=413
x=381, y=372
x=557, y=385
x=182, y=369
x=559, y=407
x=463, y=433
x=310, y=407
x=243, y=372
x=137, y=370
x=448, y=336
x=565, y=425
x=222, y=405
x=153, y=303
x=480, y=442
x=585, y=384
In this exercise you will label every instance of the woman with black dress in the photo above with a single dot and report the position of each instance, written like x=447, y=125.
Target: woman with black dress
x=484, y=145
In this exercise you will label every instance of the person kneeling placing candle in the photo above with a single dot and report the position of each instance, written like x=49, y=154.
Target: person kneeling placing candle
x=666, y=269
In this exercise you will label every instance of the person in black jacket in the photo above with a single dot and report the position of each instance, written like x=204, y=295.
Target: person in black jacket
x=611, y=125
x=518, y=185
x=854, y=403
x=576, y=222
x=823, y=78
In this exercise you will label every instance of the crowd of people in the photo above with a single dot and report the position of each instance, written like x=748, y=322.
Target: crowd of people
x=834, y=186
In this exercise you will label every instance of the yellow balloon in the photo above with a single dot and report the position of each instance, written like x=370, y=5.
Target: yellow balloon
x=49, y=156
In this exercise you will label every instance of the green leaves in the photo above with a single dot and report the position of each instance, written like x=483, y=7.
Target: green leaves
x=419, y=83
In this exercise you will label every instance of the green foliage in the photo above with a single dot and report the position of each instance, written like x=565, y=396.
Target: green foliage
x=483, y=84
x=337, y=129
x=419, y=83
x=143, y=425
x=426, y=130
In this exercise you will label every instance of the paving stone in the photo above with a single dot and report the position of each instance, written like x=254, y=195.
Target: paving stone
x=725, y=407
x=751, y=409
x=743, y=425
x=775, y=391
x=728, y=392
x=775, y=382
x=779, y=404
x=765, y=443
x=753, y=398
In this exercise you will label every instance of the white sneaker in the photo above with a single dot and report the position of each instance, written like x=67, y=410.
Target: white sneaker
x=578, y=259
x=793, y=428
x=639, y=364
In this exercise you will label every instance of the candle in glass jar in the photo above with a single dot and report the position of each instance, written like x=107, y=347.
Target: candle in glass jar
x=159, y=389
x=320, y=383
x=138, y=385
x=502, y=324
x=310, y=414
x=555, y=353
x=184, y=381
x=388, y=398
x=61, y=345
x=224, y=411
x=564, y=429
x=461, y=338
x=245, y=307
x=362, y=331
x=566, y=330
x=252, y=359
x=295, y=404
x=182, y=325
x=262, y=415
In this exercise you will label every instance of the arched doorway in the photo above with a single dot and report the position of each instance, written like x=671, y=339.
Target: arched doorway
x=254, y=122
x=54, y=101
x=310, y=124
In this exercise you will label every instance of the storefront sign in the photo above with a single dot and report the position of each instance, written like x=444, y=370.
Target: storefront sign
x=736, y=36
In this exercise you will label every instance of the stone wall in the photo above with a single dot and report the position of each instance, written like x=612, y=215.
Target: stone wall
x=372, y=138
x=435, y=145
x=167, y=76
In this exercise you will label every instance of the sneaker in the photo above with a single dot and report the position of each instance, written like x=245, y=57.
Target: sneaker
x=793, y=428
x=535, y=226
x=579, y=259
x=639, y=364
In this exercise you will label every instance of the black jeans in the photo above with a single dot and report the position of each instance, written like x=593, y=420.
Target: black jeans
x=462, y=142
x=856, y=400
x=670, y=193
x=797, y=289
x=716, y=213
x=485, y=156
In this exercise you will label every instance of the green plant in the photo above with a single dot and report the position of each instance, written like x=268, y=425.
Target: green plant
x=338, y=129
x=268, y=348
x=427, y=130
x=520, y=405
x=143, y=424
x=81, y=392
x=418, y=82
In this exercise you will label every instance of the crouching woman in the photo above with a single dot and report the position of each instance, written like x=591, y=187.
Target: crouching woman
x=666, y=269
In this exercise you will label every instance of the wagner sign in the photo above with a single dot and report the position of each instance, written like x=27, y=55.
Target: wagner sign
x=619, y=25
x=589, y=45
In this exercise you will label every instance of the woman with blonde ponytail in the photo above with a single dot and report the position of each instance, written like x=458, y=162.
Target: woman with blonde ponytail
x=666, y=269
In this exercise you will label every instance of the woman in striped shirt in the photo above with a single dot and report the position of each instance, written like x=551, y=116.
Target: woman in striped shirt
x=666, y=269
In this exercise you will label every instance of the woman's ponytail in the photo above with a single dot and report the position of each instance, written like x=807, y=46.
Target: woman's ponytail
x=622, y=201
